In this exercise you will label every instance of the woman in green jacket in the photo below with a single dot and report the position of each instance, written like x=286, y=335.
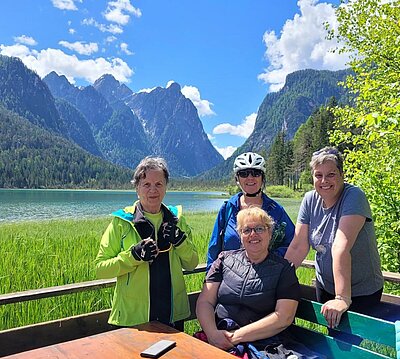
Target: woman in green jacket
x=145, y=247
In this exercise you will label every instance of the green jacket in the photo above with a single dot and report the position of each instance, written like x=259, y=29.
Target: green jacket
x=131, y=301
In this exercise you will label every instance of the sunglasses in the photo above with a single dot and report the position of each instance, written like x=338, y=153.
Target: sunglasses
x=258, y=230
x=248, y=172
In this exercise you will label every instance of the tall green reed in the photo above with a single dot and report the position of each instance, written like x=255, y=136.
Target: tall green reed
x=51, y=253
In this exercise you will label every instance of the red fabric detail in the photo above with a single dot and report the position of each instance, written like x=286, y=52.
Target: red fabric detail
x=201, y=336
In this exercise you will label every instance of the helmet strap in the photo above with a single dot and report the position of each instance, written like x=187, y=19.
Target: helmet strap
x=252, y=194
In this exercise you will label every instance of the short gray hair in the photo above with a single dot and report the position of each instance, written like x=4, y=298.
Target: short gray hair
x=149, y=163
x=327, y=154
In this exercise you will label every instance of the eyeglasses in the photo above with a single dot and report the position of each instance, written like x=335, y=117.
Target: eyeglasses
x=246, y=173
x=331, y=151
x=258, y=230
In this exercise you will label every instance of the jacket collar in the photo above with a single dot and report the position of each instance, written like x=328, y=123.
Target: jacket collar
x=135, y=214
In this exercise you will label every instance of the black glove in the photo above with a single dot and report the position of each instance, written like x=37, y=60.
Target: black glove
x=145, y=250
x=173, y=234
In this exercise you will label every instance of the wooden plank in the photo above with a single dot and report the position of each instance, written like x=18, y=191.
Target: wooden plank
x=377, y=330
x=66, y=329
x=387, y=276
x=41, y=293
x=391, y=277
x=128, y=343
x=199, y=269
x=55, y=291
x=331, y=347
x=52, y=332
x=307, y=263
x=390, y=298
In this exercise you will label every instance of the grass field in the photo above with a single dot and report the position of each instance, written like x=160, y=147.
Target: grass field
x=50, y=253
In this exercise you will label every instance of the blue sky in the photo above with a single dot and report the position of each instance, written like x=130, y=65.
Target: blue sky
x=226, y=55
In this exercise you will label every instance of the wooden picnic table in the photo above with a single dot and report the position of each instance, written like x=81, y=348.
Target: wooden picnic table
x=127, y=343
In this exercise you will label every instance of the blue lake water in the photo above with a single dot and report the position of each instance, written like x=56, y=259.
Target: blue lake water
x=25, y=205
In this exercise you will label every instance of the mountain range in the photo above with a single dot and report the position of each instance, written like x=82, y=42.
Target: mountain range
x=303, y=93
x=127, y=126
x=108, y=123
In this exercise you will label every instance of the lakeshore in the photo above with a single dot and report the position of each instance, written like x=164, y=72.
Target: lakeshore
x=45, y=204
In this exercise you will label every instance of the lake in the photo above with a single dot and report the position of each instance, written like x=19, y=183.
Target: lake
x=31, y=204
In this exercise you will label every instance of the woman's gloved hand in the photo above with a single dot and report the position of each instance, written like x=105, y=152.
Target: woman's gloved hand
x=146, y=250
x=174, y=234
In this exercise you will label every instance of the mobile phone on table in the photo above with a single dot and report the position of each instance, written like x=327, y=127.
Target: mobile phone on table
x=158, y=349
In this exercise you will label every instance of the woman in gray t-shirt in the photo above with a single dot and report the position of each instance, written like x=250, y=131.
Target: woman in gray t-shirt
x=335, y=219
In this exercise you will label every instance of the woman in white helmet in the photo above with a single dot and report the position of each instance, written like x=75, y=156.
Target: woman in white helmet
x=249, y=169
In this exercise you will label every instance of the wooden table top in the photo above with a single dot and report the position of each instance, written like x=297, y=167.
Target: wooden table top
x=127, y=343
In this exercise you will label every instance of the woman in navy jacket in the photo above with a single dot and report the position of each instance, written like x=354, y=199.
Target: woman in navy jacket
x=249, y=169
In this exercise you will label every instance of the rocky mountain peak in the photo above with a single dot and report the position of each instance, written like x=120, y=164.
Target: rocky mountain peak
x=111, y=88
x=106, y=80
x=54, y=76
x=173, y=127
x=22, y=91
x=174, y=87
x=60, y=86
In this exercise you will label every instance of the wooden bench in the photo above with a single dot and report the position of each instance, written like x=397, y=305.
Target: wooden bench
x=380, y=332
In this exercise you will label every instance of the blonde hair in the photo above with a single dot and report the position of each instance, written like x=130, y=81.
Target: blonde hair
x=257, y=213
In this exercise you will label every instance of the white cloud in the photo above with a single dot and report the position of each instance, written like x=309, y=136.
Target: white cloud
x=302, y=44
x=203, y=106
x=72, y=31
x=148, y=90
x=27, y=40
x=243, y=130
x=124, y=48
x=226, y=151
x=117, y=11
x=111, y=38
x=17, y=50
x=113, y=29
x=169, y=83
x=80, y=47
x=65, y=4
x=48, y=60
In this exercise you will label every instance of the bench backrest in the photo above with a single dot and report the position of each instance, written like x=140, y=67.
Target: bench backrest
x=345, y=345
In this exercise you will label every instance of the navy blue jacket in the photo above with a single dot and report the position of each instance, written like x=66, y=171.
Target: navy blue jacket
x=281, y=237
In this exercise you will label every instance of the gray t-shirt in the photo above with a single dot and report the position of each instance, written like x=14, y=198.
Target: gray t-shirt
x=366, y=275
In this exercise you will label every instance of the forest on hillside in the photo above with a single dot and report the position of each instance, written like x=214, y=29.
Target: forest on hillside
x=25, y=148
